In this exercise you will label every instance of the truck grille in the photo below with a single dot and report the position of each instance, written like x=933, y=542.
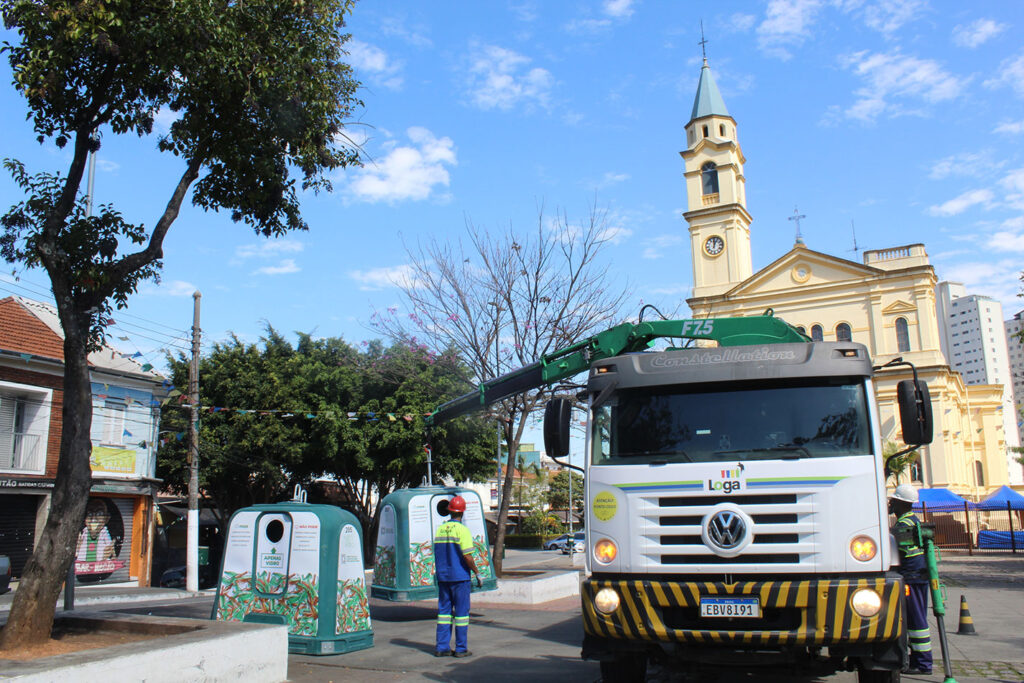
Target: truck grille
x=783, y=531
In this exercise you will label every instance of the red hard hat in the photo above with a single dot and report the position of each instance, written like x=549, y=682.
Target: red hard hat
x=457, y=504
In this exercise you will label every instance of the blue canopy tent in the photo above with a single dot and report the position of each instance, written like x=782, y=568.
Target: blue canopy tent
x=997, y=500
x=940, y=499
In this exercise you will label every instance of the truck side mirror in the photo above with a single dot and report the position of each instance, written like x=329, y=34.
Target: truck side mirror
x=915, y=412
x=556, y=427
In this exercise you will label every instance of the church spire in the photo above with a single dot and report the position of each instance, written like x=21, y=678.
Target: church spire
x=708, y=101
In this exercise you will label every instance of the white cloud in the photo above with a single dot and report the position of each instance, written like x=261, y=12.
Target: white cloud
x=1014, y=184
x=998, y=279
x=618, y=8
x=1011, y=73
x=787, y=23
x=977, y=32
x=165, y=288
x=106, y=165
x=741, y=22
x=577, y=26
x=382, y=278
x=1006, y=241
x=1011, y=127
x=269, y=249
x=972, y=164
x=662, y=245
x=375, y=63
x=164, y=119
x=501, y=79
x=395, y=27
x=888, y=15
x=615, y=234
x=283, y=268
x=893, y=76
x=960, y=204
x=413, y=171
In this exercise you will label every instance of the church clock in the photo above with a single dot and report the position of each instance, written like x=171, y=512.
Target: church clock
x=714, y=245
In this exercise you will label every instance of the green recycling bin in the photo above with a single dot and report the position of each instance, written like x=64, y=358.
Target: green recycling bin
x=300, y=565
x=403, y=563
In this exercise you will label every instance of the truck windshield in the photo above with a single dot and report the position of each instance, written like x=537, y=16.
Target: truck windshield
x=721, y=422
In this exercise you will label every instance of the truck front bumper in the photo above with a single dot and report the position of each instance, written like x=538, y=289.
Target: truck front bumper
x=810, y=612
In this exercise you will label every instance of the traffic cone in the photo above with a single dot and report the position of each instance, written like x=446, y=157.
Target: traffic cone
x=966, y=623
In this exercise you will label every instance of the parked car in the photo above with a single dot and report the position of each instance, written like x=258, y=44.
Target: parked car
x=5, y=574
x=555, y=543
x=579, y=543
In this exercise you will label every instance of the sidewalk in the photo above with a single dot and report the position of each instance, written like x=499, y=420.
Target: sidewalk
x=91, y=596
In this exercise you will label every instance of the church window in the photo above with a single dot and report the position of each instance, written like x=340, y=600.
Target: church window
x=709, y=178
x=979, y=473
x=721, y=129
x=801, y=329
x=902, y=335
x=817, y=333
x=705, y=131
x=843, y=333
x=916, y=473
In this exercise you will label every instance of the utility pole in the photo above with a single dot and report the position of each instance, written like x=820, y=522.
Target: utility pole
x=192, y=540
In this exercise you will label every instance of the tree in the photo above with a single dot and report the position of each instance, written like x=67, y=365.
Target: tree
x=901, y=464
x=532, y=293
x=260, y=94
x=275, y=415
x=558, y=491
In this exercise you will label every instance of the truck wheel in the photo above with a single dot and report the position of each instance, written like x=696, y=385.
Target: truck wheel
x=877, y=676
x=626, y=669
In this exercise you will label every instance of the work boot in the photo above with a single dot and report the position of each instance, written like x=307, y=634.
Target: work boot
x=467, y=653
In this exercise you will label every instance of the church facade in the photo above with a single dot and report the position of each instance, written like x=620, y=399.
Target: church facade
x=887, y=303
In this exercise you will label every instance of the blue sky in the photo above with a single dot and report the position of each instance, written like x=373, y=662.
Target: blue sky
x=904, y=117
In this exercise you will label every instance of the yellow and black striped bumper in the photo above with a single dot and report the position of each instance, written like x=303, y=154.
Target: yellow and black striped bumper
x=819, y=611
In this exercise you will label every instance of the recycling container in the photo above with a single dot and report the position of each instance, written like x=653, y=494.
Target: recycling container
x=300, y=565
x=403, y=563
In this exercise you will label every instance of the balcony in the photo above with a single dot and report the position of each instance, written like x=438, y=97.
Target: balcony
x=22, y=453
x=710, y=199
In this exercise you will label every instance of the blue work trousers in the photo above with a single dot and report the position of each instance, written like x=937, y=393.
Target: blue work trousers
x=453, y=608
x=917, y=627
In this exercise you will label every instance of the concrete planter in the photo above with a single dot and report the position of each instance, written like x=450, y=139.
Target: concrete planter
x=184, y=650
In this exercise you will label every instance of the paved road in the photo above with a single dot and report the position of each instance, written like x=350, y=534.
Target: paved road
x=517, y=643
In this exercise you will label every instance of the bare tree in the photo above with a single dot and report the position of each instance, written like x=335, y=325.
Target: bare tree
x=525, y=294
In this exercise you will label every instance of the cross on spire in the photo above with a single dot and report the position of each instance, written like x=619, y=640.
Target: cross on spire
x=796, y=219
x=703, y=42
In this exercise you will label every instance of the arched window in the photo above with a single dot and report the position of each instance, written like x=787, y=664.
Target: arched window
x=709, y=178
x=843, y=332
x=817, y=334
x=916, y=472
x=705, y=128
x=979, y=473
x=902, y=335
x=721, y=129
x=801, y=329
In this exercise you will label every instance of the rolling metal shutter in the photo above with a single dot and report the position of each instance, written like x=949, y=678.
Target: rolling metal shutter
x=18, y=528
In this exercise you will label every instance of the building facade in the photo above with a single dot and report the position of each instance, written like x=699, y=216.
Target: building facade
x=115, y=544
x=887, y=303
x=975, y=345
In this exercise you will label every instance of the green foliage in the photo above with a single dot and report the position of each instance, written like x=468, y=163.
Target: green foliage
x=558, y=491
x=899, y=466
x=259, y=456
x=524, y=540
x=541, y=522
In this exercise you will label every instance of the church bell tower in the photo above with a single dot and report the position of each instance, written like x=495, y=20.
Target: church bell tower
x=716, y=194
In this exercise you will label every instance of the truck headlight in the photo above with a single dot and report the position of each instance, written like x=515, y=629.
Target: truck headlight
x=866, y=602
x=863, y=548
x=606, y=601
x=605, y=551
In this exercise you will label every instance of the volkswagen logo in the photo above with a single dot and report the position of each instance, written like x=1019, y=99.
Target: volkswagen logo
x=726, y=529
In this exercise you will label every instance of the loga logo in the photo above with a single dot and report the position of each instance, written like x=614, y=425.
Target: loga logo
x=728, y=480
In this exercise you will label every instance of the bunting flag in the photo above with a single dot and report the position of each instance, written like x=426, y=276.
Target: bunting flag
x=127, y=433
x=146, y=367
x=124, y=338
x=128, y=401
x=26, y=356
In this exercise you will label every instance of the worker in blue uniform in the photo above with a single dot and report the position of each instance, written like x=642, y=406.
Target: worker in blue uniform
x=453, y=562
x=914, y=570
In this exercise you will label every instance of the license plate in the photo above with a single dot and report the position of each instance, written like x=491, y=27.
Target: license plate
x=730, y=607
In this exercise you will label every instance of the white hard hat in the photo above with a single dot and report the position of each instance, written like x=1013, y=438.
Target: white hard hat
x=905, y=492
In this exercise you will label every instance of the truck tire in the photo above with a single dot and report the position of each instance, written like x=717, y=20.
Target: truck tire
x=877, y=676
x=631, y=668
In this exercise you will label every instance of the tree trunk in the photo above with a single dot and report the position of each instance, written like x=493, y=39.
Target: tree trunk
x=512, y=439
x=32, y=611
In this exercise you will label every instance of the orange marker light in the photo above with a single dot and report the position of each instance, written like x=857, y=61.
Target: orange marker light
x=605, y=551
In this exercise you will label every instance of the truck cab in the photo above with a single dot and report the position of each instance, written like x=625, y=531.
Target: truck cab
x=736, y=511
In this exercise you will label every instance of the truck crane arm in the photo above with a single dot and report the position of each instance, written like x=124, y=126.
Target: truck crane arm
x=624, y=338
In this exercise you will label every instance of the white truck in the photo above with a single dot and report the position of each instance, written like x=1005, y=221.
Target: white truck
x=736, y=512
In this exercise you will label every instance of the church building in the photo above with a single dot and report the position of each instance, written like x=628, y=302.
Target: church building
x=886, y=303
